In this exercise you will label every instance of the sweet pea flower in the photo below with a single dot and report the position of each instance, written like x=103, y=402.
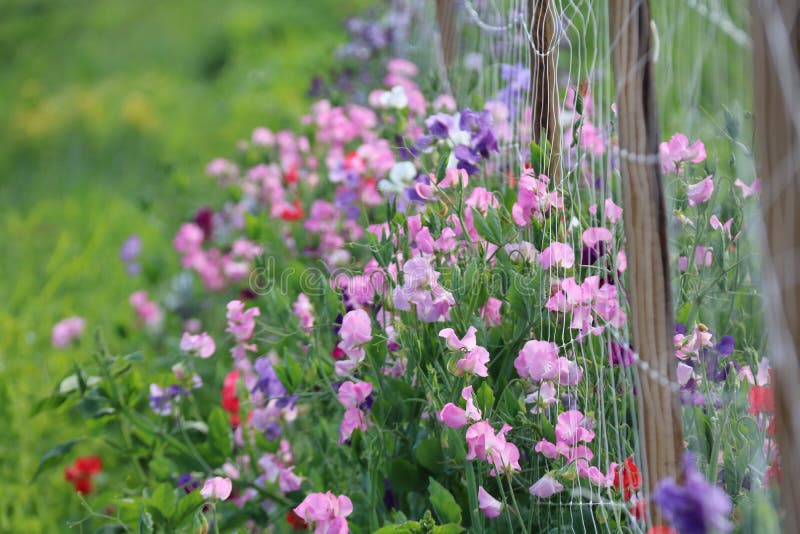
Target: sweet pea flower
x=327, y=511
x=490, y=312
x=748, y=190
x=677, y=150
x=725, y=227
x=545, y=487
x=201, y=345
x=700, y=192
x=612, y=211
x=288, y=481
x=218, y=488
x=356, y=330
x=537, y=361
x=557, y=255
x=66, y=330
x=594, y=235
x=570, y=428
x=546, y=449
x=486, y=444
x=490, y=506
x=453, y=416
x=467, y=343
x=474, y=362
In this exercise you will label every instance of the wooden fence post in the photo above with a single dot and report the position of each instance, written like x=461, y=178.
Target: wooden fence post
x=544, y=83
x=776, y=61
x=446, y=20
x=648, y=285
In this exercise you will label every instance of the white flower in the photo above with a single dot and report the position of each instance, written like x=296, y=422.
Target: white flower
x=400, y=176
x=396, y=98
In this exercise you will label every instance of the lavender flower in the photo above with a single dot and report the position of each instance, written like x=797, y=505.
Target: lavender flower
x=129, y=254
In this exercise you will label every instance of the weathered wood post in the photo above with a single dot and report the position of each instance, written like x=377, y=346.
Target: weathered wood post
x=776, y=57
x=544, y=83
x=648, y=285
x=446, y=20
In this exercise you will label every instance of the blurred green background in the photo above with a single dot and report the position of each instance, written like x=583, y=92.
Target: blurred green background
x=109, y=111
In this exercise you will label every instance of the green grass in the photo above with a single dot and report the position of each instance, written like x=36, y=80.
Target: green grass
x=110, y=110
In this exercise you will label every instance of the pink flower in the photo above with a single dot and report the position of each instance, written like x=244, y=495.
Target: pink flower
x=546, y=487
x=591, y=236
x=304, y=311
x=701, y=191
x=474, y=362
x=356, y=330
x=216, y=488
x=453, y=177
x=546, y=449
x=569, y=373
x=241, y=323
x=263, y=137
x=353, y=394
x=612, y=211
x=538, y=360
x=288, y=481
x=557, y=254
x=570, y=428
x=748, y=190
x=485, y=444
x=490, y=312
x=147, y=310
x=467, y=343
x=201, y=344
x=66, y=330
x=677, y=150
x=188, y=239
x=490, y=506
x=453, y=416
x=725, y=227
x=326, y=511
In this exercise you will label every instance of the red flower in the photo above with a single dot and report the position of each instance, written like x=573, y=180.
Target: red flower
x=761, y=400
x=294, y=212
x=296, y=521
x=291, y=175
x=627, y=477
x=230, y=402
x=659, y=529
x=82, y=471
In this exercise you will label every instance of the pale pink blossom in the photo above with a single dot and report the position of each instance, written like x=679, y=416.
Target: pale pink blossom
x=701, y=191
x=748, y=190
x=594, y=235
x=545, y=487
x=66, y=330
x=467, y=343
x=218, y=488
x=201, y=345
x=326, y=512
x=490, y=312
x=538, y=360
x=474, y=362
x=557, y=254
x=490, y=506
x=677, y=150
x=612, y=211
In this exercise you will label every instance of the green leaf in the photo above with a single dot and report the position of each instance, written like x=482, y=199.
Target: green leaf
x=429, y=454
x=405, y=476
x=163, y=499
x=450, y=528
x=49, y=403
x=220, y=440
x=444, y=504
x=485, y=397
x=480, y=225
x=54, y=456
x=187, y=506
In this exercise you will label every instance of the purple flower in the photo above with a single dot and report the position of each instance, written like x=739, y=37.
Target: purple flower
x=129, y=254
x=697, y=506
x=268, y=382
x=619, y=354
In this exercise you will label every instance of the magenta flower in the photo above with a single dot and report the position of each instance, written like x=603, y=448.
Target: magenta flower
x=241, y=323
x=326, y=511
x=490, y=506
x=355, y=397
x=218, y=488
x=546, y=449
x=546, y=487
x=201, y=345
x=677, y=150
x=147, y=310
x=537, y=361
x=455, y=417
x=700, y=192
x=486, y=444
x=557, y=255
x=66, y=330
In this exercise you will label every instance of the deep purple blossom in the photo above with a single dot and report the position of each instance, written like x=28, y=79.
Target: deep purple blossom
x=697, y=506
x=268, y=382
